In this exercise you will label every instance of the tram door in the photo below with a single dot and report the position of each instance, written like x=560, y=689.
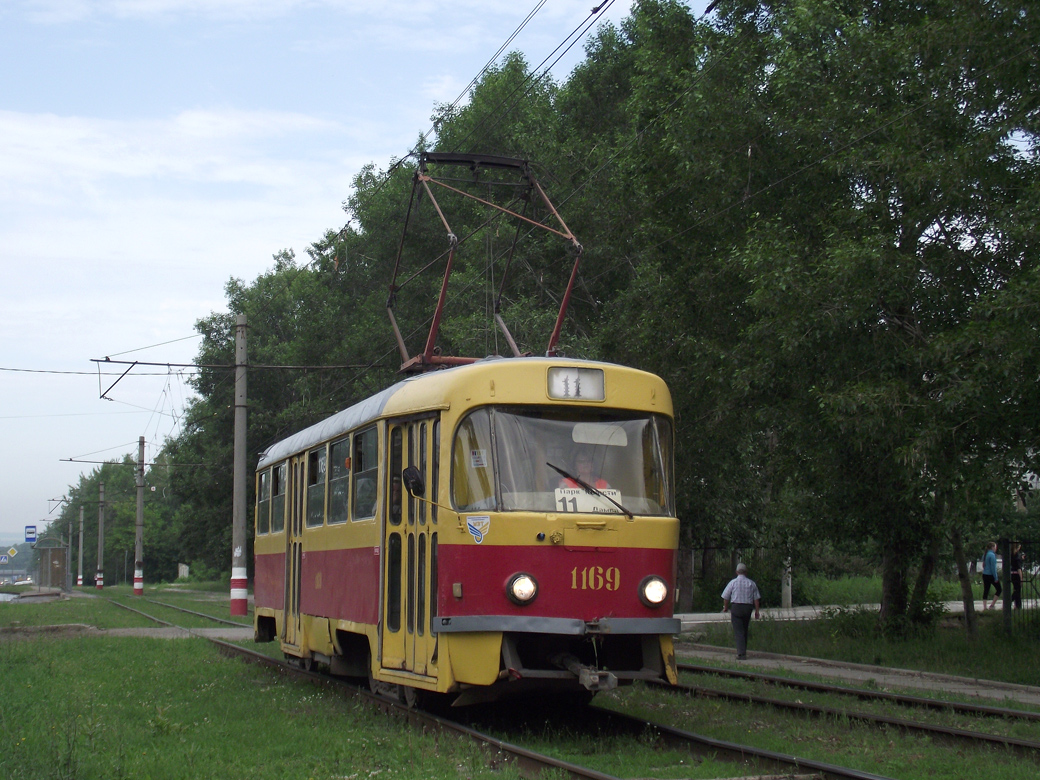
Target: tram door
x=410, y=544
x=294, y=551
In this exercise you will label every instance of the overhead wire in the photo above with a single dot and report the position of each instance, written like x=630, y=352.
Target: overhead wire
x=499, y=112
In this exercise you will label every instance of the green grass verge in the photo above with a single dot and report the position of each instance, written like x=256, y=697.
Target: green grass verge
x=851, y=635
x=113, y=708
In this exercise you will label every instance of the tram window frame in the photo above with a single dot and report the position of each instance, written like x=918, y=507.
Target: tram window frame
x=394, y=555
x=420, y=596
x=317, y=462
x=263, y=502
x=278, y=485
x=435, y=473
x=433, y=578
x=395, y=455
x=472, y=470
x=410, y=435
x=423, y=450
x=410, y=595
x=339, y=473
x=481, y=459
x=364, y=484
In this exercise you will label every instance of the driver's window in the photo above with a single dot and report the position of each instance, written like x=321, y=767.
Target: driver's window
x=473, y=484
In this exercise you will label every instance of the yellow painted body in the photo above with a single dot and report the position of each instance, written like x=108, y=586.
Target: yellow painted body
x=443, y=662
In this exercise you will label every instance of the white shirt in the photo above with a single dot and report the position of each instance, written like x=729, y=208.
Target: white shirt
x=741, y=590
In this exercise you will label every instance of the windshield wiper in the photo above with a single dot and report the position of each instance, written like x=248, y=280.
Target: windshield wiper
x=590, y=488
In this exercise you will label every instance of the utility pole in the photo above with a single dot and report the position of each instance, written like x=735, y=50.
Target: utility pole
x=79, y=572
x=99, y=578
x=139, y=543
x=239, y=582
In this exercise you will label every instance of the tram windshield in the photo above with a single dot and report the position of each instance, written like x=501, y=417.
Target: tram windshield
x=545, y=459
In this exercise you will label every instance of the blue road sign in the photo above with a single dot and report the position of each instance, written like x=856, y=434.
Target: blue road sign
x=3, y=560
x=30, y=534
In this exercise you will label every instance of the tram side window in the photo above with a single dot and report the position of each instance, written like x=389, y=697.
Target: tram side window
x=339, y=481
x=396, y=466
x=473, y=484
x=422, y=470
x=366, y=468
x=435, y=475
x=315, y=487
x=263, y=503
x=278, y=498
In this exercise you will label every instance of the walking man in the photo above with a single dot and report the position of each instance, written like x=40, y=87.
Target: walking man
x=739, y=598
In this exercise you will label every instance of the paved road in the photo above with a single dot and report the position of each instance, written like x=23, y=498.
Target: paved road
x=690, y=621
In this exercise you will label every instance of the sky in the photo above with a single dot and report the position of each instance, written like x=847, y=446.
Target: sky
x=151, y=150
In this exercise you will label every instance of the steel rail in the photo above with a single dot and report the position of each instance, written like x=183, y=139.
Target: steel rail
x=731, y=750
x=1021, y=746
x=531, y=763
x=199, y=614
x=866, y=695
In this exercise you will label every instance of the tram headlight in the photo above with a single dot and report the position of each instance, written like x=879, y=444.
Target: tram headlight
x=522, y=588
x=653, y=591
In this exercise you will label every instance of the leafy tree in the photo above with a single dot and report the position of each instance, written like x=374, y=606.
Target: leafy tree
x=902, y=126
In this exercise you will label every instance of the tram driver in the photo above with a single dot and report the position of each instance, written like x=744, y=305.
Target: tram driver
x=584, y=469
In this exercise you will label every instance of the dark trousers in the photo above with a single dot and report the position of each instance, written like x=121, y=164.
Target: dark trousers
x=740, y=617
x=987, y=580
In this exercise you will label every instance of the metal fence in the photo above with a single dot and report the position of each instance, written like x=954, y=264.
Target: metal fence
x=708, y=569
x=705, y=571
x=1020, y=599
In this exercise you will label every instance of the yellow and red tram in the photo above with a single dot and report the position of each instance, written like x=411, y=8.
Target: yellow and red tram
x=506, y=526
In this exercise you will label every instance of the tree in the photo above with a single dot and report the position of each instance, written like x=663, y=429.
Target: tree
x=902, y=122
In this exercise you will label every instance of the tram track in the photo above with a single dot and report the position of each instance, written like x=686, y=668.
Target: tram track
x=197, y=614
x=614, y=722
x=924, y=702
x=531, y=763
x=947, y=734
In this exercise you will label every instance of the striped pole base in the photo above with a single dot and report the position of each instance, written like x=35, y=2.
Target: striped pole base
x=138, y=582
x=79, y=580
x=99, y=580
x=239, y=592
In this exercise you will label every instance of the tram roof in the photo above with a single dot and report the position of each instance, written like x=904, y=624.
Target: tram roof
x=438, y=383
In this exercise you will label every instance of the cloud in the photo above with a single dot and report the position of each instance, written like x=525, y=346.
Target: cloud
x=198, y=145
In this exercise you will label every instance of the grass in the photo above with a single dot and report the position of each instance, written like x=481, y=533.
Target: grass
x=816, y=589
x=105, y=707
x=95, y=609
x=113, y=708
x=886, y=752
x=850, y=635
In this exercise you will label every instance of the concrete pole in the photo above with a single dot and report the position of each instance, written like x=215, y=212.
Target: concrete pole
x=99, y=578
x=79, y=572
x=139, y=542
x=239, y=583
x=785, y=586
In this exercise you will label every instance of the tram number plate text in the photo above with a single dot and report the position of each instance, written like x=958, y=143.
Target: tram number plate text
x=582, y=500
x=595, y=578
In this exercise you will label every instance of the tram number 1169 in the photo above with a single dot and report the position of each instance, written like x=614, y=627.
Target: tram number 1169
x=595, y=578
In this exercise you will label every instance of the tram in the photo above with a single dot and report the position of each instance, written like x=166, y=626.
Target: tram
x=496, y=528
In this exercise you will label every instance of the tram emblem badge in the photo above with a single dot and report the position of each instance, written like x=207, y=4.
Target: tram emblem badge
x=478, y=526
